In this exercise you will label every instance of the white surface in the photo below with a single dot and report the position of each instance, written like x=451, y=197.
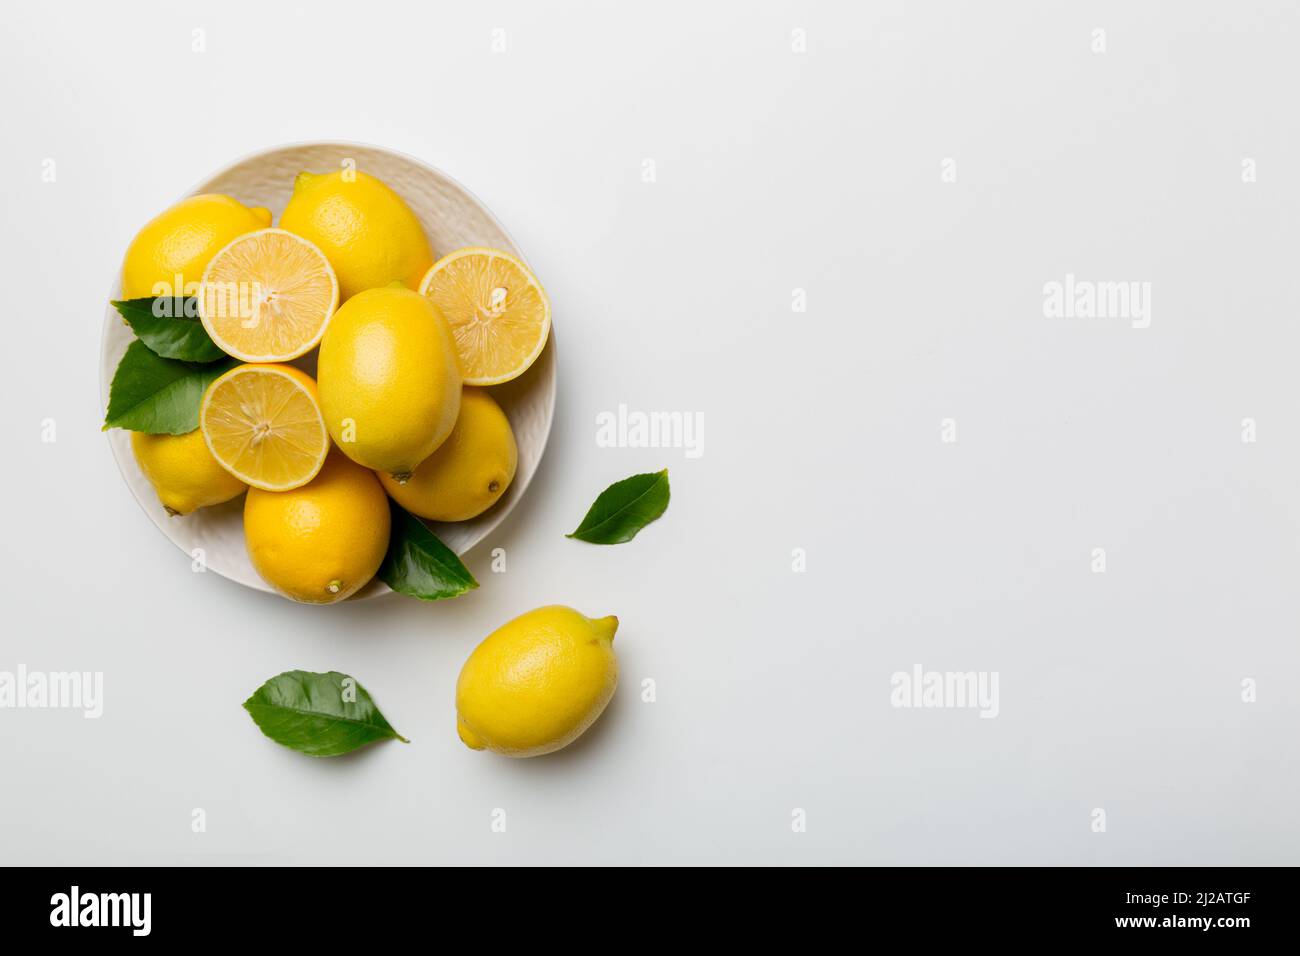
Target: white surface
x=775, y=171
x=453, y=218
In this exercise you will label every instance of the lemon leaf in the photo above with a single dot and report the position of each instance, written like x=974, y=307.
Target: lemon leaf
x=420, y=565
x=170, y=327
x=322, y=715
x=624, y=508
x=157, y=395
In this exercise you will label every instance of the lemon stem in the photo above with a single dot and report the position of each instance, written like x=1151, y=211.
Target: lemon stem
x=607, y=626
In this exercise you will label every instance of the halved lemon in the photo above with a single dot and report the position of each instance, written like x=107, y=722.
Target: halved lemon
x=497, y=310
x=263, y=424
x=267, y=296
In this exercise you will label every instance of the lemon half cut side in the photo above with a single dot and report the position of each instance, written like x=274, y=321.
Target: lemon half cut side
x=263, y=424
x=267, y=296
x=498, y=312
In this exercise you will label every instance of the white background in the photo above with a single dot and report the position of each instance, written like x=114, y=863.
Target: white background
x=775, y=171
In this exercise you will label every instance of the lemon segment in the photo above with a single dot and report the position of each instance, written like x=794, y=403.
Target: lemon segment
x=498, y=312
x=263, y=424
x=267, y=296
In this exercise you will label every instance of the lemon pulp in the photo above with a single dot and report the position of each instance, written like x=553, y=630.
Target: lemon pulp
x=267, y=296
x=263, y=424
x=498, y=312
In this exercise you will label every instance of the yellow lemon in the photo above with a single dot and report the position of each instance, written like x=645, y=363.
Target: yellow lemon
x=369, y=233
x=535, y=684
x=182, y=241
x=263, y=424
x=469, y=471
x=498, y=312
x=389, y=380
x=321, y=542
x=267, y=295
x=183, y=471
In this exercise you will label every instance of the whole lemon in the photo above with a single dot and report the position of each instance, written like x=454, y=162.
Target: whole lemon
x=320, y=542
x=535, y=684
x=389, y=379
x=183, y=471
x=182, y=240
x=469, y=471
x=366, y=230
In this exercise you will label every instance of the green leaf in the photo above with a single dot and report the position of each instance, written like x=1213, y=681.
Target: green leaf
x=624, y=508
x=322, y=715
x=158, y=395
x=419, y=564
x=168, y=326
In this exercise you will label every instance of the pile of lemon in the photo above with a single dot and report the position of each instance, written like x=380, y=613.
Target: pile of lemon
x=406, y=348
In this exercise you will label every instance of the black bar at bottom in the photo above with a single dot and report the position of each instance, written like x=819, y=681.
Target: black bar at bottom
x=209, y=904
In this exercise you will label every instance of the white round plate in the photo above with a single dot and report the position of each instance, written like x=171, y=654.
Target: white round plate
x=453, y=218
